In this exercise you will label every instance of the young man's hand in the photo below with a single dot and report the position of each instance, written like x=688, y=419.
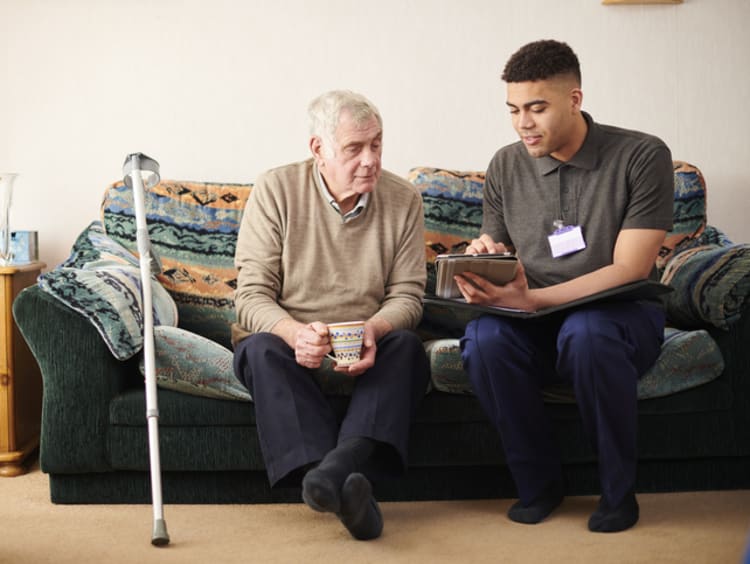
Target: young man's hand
x=485, y=245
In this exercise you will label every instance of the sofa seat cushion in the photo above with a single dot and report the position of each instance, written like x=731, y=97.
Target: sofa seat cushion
x=191, y=450
x=177, y=409
x=193, y=228
x=102, y=281
x=688, y=359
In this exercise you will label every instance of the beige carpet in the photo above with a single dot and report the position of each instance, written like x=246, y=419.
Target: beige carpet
x=699, y=527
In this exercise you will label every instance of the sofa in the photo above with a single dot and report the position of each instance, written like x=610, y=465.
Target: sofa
x=82, y=321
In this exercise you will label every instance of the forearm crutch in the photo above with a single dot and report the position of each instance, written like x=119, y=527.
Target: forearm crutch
x=137, y=167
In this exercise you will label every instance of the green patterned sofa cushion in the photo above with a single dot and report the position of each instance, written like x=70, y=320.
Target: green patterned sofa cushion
x=711, y=285
x=688, y=359
x=193, y=228
x=101, y=280
x=188, y=363
x=452, y=211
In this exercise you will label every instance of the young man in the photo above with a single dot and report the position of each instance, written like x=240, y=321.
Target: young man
x=586, y=207
x=332, y=239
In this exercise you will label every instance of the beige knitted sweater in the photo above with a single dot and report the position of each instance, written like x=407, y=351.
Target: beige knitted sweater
x=297, y=258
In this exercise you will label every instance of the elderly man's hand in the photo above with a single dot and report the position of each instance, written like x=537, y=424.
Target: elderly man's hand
x=311, y=344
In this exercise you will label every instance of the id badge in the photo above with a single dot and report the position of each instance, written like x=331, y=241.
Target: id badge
x=566, y=240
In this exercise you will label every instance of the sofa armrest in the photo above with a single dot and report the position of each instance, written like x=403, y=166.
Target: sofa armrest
x=80, y=378
x=733, y=344
x=712, y=286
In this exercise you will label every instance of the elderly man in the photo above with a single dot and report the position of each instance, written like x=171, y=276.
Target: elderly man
x=334, y=238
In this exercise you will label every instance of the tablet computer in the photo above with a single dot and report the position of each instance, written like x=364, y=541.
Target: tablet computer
x=497, y=268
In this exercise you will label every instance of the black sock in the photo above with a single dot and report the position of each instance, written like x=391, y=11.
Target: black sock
x=608, y=519
x=321, y=487
x=542, y=505
x=360, y=512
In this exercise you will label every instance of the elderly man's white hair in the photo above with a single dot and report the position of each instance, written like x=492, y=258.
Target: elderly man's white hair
x=325, y=113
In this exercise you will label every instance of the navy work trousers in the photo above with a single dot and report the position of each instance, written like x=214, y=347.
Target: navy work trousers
x=296, y=424
x=601, y=350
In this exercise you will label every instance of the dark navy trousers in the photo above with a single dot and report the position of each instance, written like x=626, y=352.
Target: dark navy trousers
x=296, y=423
x=601, y=350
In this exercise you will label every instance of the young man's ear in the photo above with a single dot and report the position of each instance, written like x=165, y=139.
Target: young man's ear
x=576, y=99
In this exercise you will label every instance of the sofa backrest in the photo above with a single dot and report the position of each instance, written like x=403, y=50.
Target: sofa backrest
x=193, y=228
x=453, y=210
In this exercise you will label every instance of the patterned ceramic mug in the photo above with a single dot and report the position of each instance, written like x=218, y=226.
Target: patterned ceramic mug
x=346, y=341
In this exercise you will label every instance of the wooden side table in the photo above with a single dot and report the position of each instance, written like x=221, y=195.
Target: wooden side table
x=20, y=379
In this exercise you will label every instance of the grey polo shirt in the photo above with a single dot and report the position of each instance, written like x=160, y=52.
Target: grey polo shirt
x=619, y=179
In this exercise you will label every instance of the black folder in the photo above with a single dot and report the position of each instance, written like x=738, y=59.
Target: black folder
x=638, y=290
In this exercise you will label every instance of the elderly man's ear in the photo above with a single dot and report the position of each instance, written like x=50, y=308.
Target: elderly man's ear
x=316, y=148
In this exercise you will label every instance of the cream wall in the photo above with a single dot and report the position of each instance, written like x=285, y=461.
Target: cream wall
x=217, y=89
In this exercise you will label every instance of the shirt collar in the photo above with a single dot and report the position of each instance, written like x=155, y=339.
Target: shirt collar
x=354, y=212
x=586, y=156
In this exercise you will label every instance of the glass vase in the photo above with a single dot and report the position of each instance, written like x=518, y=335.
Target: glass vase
x=6, y=194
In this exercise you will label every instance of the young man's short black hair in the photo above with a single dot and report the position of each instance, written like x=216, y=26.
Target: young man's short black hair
x=541, y=60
